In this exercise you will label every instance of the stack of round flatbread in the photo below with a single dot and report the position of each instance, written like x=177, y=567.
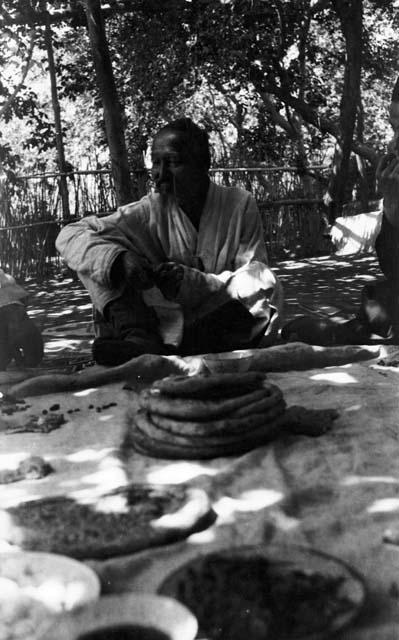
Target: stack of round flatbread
x=206, y=416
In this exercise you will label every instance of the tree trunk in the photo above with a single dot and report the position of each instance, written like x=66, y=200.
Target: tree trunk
x=350, y=14
x=57, y=121
x=112, y=110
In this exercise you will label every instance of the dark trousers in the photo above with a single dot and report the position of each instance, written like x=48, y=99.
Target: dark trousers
x=227, y=328
x=379, y=305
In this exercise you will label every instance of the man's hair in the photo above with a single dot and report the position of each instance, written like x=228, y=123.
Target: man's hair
x=197, y=138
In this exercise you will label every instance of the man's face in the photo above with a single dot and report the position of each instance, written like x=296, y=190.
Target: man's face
x=175, y=170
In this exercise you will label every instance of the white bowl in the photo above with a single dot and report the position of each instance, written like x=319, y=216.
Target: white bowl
x=36, y=587
x=57, y=582
x=165, y=617
x=229, y=362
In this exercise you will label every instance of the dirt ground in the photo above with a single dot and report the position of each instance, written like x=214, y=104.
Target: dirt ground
x=328, y=285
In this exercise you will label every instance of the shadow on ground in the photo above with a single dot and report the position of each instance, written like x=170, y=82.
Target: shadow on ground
x=328, y=285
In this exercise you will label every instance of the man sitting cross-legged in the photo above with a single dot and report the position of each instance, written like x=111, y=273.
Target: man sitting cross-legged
x=183, y=270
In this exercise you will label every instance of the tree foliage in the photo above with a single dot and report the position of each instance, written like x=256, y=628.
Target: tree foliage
x=269, y=80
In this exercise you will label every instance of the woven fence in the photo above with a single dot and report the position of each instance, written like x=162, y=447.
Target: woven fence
x=32, y=212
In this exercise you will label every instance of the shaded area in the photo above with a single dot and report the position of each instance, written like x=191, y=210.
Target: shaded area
x=328, y=285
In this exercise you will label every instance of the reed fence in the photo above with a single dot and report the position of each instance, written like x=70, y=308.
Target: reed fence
x=31, y=211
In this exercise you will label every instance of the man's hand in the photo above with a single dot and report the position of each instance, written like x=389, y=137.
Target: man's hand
x=388, y=183
x=168, y=277
x=134, y=271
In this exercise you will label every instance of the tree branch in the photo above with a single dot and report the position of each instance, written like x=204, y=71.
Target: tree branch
x=324, y=125
x=277, y=118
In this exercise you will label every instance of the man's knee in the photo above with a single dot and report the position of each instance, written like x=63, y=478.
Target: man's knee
x=128, y=314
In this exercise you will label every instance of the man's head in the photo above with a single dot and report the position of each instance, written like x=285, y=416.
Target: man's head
x=180, y=162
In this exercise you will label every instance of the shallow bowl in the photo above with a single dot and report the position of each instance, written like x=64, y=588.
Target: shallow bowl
x=120, y=617
x=229, y=362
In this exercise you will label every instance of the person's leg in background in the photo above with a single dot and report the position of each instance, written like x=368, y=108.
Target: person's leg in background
x=379, y=307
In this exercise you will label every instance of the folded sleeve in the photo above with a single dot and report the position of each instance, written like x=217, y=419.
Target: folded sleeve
x=86, y=251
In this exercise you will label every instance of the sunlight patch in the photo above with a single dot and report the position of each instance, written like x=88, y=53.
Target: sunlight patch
x=258, y=499
x=12, y=460
x=254, y=500
x=353, y=407
x=202, y=537
x=106, y=418
x=179, y=472
x=85, y=392
x=339, y=377
x=385, y=505
x=59, y=345
x=351, y=481
x=85, y=455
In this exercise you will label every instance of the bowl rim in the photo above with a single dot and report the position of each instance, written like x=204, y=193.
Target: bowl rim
x=116, y=610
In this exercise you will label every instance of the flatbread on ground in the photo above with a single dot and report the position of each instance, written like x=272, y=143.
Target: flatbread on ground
x=161, y=447
x=216, y=431
x=193, y=409
x=205, y=386
x=123, y=521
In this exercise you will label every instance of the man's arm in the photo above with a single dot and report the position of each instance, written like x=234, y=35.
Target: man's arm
x=87, y=252
x=196, y=286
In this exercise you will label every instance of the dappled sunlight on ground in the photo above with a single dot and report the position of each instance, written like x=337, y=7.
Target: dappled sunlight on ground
x=248, y=501
x=350, y=481
x=384, y=505
x=327, y=283
x=337, y=377
x=179, y=472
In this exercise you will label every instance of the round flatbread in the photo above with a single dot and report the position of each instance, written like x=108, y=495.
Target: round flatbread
x=190, y=409
x=205, y=386
x=223, y=428
x=161, y=447
x=123, y=521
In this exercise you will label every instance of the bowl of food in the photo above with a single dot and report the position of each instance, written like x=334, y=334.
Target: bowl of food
x=130, y=616
x=277, y=591
x=237, y=361
x=35, y=587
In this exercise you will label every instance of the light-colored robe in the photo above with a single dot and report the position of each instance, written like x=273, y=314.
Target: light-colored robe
x=228, y=245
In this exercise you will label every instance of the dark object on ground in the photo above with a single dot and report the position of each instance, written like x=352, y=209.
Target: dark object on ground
x=20, y=339
x=38, y=424
x=325, y=332
x=309, y=422
x=32, y=468
x=120, y=522
x=379, y=309
x=249, y=593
